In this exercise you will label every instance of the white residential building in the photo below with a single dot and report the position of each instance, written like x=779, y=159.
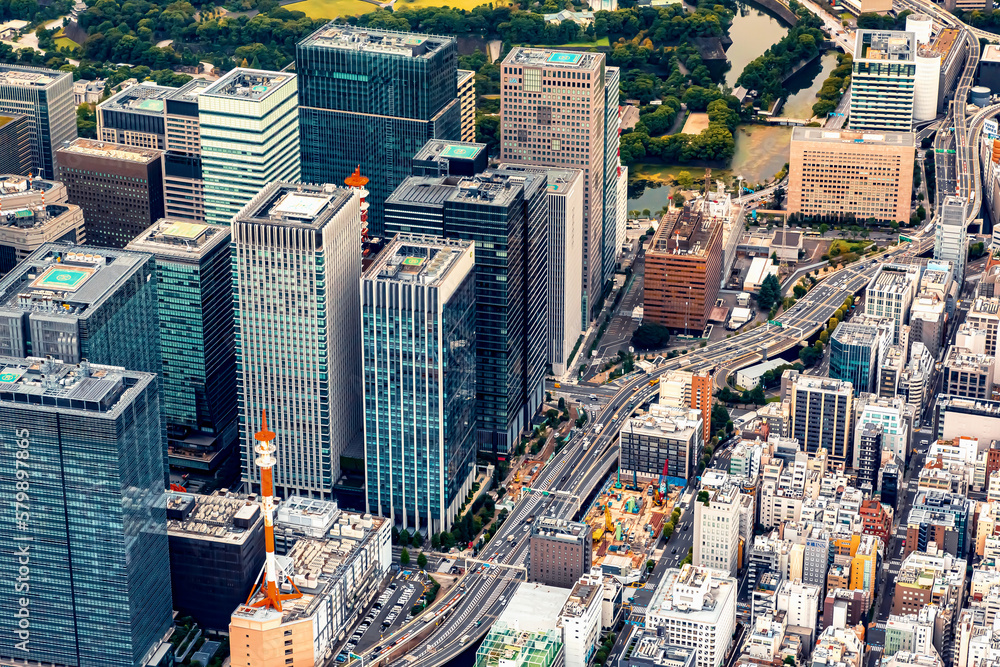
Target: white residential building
x=717, y=529
x=580, y=621
x=305, y=370
x=893, y=415
x=800, y=602
x=890, y=294
x=696, y=608
x=950, y=236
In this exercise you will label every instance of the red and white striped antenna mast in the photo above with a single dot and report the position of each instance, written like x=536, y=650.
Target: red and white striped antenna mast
x=267, y=592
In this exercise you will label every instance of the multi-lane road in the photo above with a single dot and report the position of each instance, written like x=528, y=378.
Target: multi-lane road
x=574, y=474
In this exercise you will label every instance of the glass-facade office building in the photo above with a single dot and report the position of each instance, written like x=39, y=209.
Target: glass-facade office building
x=77, y=302
x=420, y=382
x=195, y=289
x=506, y=214
x=45, y=96
x=373, y=98
x=83, y=542
x=855, y=354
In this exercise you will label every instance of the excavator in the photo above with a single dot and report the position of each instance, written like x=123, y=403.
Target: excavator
x=609, y=525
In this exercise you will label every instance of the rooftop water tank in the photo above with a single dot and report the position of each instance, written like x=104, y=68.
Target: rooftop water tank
x=980, y=96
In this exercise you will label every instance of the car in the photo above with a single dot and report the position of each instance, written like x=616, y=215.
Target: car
x=674, y=550
x=341, y=658
x=593, y=397
x=393, y=586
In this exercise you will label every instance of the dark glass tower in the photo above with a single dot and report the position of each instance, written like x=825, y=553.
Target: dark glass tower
x=195, y=286
x=506, y=214
x=373, y=98
x=83, y=547
x=420, y=382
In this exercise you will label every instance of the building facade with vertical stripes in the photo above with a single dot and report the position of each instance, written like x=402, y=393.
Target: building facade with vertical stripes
x=45, y=96
x=296, y=266
x=418, y=310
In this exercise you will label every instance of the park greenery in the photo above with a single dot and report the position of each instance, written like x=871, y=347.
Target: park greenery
x=767, y=73
x=834, y=86
x=770, y=292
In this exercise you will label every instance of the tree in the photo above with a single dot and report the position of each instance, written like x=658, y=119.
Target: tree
x=774, y=258
x=404, y=556
x=422, y=561
x=799, y=291
x=789, y=660
x=684, y=180
x=770, y=292
x=650, y=336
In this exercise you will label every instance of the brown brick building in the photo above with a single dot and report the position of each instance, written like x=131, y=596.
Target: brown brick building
x=560, y=552
x=119, y=188
x=683, y=270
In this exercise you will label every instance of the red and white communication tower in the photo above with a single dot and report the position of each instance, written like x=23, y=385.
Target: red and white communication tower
x=267, y=592
x=358, y=182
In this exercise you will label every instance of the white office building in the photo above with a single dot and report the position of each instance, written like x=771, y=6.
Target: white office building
x=890, y=294
x=580, y=621
x=882, y=81
x=717, y=529
x=296, y=270
x=895, y=417
x=695, y=608
x=249, y=137
x=950, y=240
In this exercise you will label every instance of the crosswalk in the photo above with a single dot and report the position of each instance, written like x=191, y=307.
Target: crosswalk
x=875, y=649
x=880, y=625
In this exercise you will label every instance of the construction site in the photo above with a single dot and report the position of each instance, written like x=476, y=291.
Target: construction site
x=626, y=520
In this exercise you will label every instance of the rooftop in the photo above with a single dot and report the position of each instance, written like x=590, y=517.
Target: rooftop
x=894, y=278
x=220, y=517
x=111, y=151
x=190, y=91
x=560, y=179
x=452, y=150
x=295, y=204
x=49, y=383
x=852, y=333
x=814, y=383
x=527, y=57
x=894, y=45
x=180, y=239
x=414, y=258
x=906, y=139
x=581, y=598
x=693, y=593
x=29, y=77
x=535, y=607
x=388, y=42
x=12, y=185
x=667, y=422
x=991, y=53
x=555, y=529
x=963, y=360
x=685, y=232
x=33, y=216
x=147, y=98
x=66, y=281
x=248, y=84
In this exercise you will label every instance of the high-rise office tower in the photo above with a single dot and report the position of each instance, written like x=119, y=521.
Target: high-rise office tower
x=249, y=138
x=85, y=548
x=134, y=116
x=510, y=209
x=45, y=96
x=72, y=303
x=296, y=268
x=195, y=289
x=612, y=163
x=882, y=81
x=822, y=415
x=565, y=200
x=15, y=144
x=857, y=350
x=420, y=380
x=890, y=294
x=373, y=98
x=33, y=212
x=950, y=240
x=552, y=109
x=119, y=188
x=467, y=100
x=151, y=116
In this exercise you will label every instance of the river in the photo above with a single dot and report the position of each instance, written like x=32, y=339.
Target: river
x=761, y=151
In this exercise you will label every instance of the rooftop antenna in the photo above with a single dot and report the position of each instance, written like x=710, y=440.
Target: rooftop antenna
x=267, y=591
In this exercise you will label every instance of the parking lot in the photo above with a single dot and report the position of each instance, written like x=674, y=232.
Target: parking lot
x=390, y=611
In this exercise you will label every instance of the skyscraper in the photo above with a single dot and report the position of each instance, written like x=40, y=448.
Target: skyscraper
x=552, y=112
x=420, y=381
x=15, y=144
x=119, y=188
x=612, y=164
x=45, y=96
x=73, y=304
x=249, y=138
x=296, y=268
x=373, y=98
x=506, y=213
x=565, y=201
x=950, y=240
x=857, y=350
x=195, y=289
x=822, y=415
x=882, y=81
x=85, y=547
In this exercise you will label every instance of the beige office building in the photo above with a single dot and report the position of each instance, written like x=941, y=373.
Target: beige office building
x=467, y=97
x=552, y=111
x=840, y=172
